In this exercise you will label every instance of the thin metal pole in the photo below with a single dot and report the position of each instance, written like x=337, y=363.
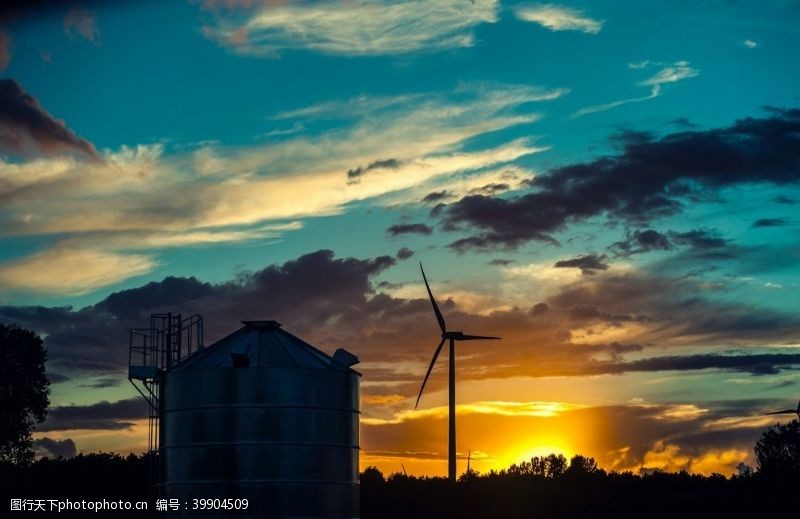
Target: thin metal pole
x=451, y=451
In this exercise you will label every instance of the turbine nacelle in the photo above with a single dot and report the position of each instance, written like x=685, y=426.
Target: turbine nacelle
x=461, y=336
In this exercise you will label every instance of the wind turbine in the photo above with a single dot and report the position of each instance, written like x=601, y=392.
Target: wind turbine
x=789, y=411
x=452, y=337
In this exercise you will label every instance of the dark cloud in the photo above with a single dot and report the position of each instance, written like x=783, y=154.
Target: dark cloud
x=331, y=303
x=637, y=242
x=102, y=383
x=314, y=288
x=756, y=364
x=56, y=378
x=589, y=264
x=698, y=239
x=771, y=222
x=102, y=415
x=502, y=262
x=50, y=448
x=404, y=253
x=437, y=196
x=354, y=175
x=650, y=178
x=25, y=126
x=684, y=122
x=409, y=228
x=490, y=189
x=641, y=241
x=784, y=200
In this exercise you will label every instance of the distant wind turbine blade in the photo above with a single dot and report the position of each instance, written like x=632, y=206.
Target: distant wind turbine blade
x=785, y=411
x=477, y=338
x=433, y=361
x=439, y=316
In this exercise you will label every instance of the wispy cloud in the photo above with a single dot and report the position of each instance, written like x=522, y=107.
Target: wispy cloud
x=80, y=21
x=677, y=71
x=669, y=73
x=750, y=44
x=143, y=198
x=354, y=28
x=68, y=271
x=558, y=18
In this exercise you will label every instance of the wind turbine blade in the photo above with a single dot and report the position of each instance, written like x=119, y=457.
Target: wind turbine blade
x=477, y=338
x=433, y=361
x=785, y=411
x=439, y=316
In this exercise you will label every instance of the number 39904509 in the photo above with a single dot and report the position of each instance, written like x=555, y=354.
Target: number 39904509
x=219, y=504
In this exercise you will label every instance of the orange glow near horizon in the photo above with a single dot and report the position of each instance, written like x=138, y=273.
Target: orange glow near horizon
x=497, y=434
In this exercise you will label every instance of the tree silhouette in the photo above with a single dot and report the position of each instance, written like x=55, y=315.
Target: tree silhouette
x=371, y=476
x=24, y=390
x=579, y=465
x=778, y=450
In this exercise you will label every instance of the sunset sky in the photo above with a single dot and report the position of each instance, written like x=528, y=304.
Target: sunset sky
x=612, y=187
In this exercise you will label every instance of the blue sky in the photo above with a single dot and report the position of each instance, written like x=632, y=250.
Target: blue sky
x=214, y=139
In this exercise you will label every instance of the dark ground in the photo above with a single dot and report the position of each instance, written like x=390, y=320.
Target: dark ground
x=587, y=493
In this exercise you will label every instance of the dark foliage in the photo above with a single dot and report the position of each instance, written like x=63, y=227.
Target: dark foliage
x=552, y=488
x=24, y=391
x=778, y=450
x=91, y=477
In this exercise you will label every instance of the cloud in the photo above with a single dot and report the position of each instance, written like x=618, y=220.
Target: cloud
x=558, y=18
x=771, y=222
x=354, y=175
x=616, y=321
x=102, y=415
x=679, y=165
x=641, y=241
x=66, y=271
x=312, y=289
x=355, y=28
x=756, y=364
x=673, y=73
x=588, y=264
x=226, y=193
x=654, y=92
x=670, y=73
x=48, y=447
x=437, y=196
x=501, y=262
x=404, y=253
x=698, y=239
x=750, y=44
x=25, y=125
x=5, y=49
x=82, y=22
x=638, y=241
x=409, y=228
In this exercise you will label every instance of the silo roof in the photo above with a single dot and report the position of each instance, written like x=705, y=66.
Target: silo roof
x=265, y=344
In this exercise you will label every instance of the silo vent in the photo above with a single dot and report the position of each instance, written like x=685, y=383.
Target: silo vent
x=342, y=356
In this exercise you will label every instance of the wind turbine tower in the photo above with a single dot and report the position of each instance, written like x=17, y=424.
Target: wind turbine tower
x=452, y=337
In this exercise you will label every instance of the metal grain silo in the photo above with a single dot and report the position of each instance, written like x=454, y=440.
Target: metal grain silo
x=261, y=415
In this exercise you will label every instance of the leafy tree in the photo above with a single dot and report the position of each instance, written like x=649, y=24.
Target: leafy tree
x=778, y=450
x=371, y=476
x=24, y=390
x=582, y=465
